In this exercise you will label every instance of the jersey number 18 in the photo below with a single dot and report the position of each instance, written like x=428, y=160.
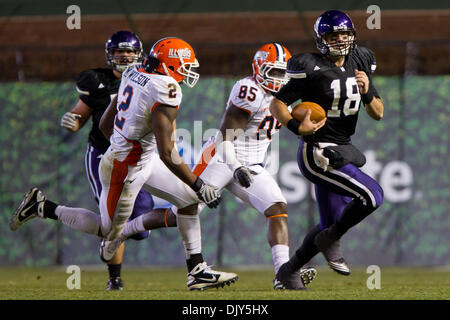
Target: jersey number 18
x=352, y=101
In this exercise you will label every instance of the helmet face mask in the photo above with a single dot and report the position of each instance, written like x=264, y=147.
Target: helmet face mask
x=269, y=66
x=341, y=47
x=335, y=33
x=176, y=59
x=121, y=59
x=188, y=70
x=116, y=49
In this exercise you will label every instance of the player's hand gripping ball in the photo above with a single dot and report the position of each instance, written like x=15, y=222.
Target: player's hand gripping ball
x=317, y=112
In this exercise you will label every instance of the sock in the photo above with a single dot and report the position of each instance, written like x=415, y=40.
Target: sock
x=280, y=255
x=194, y=260
x=189, y=229
x=49, y=210
x=306, y=252
x=79, y=219
x=134, y=226
x=114, y=270
x=352, y=214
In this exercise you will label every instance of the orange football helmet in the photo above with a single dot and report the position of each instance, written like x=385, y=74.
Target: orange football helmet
x=269, y=66
x=176, y=59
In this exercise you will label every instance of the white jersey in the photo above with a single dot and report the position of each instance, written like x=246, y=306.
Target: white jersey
x=140, y=92
x=251, y=147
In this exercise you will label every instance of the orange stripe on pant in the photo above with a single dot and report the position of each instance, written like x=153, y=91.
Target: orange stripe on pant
x=118, y=175
x=207, y=155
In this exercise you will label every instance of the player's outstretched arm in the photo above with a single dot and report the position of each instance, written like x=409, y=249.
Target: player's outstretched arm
x=233, y=123
x=75, y=119
x=163, y=119
x=106, y=125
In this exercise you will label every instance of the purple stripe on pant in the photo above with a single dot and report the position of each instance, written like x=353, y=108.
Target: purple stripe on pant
x=336, y=188
x=144, y=200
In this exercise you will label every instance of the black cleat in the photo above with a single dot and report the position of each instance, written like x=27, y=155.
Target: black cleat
x=331, y=250
x=114, y=284
x=307, y=275
x=292, y=280
x=32, y=206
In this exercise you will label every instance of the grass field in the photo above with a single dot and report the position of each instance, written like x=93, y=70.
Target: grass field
x=170, y=284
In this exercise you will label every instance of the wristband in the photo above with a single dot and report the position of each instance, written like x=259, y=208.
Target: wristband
x=197, y=185
x=293, y=125
x=367, y=98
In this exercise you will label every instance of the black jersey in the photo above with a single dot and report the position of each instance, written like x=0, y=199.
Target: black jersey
x=96, y=86
x=316, y=79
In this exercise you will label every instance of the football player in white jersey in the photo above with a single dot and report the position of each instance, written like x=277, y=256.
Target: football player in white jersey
x=235, y=159
x=147, y=104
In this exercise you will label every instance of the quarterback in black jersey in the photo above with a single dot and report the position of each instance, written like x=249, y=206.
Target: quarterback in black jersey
x=97, y=87
x=337, y=78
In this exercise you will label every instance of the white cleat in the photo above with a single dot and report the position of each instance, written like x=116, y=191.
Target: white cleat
x=32, y=206
x=109, y=248
x=202, y=277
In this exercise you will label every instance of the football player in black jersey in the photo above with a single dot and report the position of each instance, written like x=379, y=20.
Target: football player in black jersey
x=338, y=78
x=96, y=88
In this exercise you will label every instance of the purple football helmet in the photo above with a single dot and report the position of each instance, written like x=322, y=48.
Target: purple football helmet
x=123, y=41
x=334, y=21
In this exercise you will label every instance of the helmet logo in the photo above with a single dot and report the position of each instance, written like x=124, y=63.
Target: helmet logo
x=180, y=53
x=342, y=26
x=261, y=55
x=124, y=44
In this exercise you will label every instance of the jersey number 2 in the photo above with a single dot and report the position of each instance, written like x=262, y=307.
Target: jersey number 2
x=352, y=101
x=124, y=105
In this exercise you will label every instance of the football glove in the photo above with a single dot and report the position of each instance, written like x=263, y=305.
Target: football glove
x=69, y=121
x=206, y=193
x=243, y=175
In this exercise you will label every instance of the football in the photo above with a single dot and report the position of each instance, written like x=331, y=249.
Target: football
x=317, y=112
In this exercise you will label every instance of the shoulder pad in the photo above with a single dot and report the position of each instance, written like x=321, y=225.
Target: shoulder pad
x=87, y=82
x=246, y=94
x=166, y=90
x=298, y=66
x=365, y=59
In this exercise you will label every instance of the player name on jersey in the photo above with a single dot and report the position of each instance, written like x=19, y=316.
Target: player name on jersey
x=136, y=77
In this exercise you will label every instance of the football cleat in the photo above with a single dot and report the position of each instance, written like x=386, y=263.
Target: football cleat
x=331, y=250
x=109, y=248
x=296, y=280
x=277, y=285
x=114, y=284
x=307, y=275
x=32, y=206
x=202, y=277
